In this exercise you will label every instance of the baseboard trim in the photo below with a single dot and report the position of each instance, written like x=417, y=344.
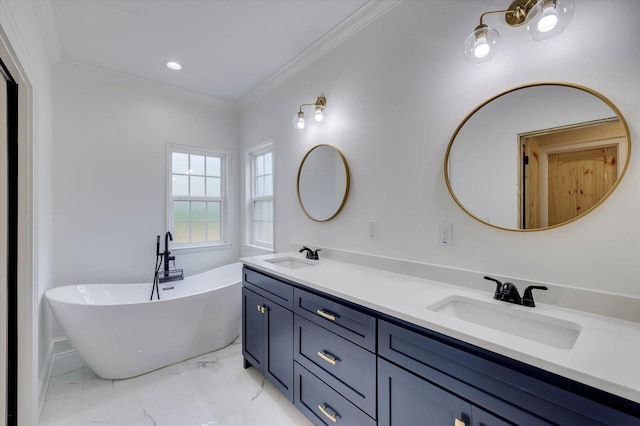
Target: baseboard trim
x=58, y=347
x=44, y=376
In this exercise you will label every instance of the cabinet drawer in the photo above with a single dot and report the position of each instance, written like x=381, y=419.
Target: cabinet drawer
x=271, y=288
x=323, y=405
x=347, y=322
x=345, y=366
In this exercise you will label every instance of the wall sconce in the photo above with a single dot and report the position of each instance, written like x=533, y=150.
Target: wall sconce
x=320, y=105
x=542, y=19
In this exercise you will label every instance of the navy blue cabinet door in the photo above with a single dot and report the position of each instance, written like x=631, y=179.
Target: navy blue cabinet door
x=253, y=338
x=267, y=340
x=406, y=400
x=279, y=347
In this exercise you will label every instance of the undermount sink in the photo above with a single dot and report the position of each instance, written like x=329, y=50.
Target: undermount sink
x=291, y=262
x=511, y=319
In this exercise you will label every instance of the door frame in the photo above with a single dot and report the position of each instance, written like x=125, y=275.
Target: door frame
x=4, y=210
x=27, y=241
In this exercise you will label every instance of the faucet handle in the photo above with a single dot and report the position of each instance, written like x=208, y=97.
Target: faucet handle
x=527, y=297
x=497, y=294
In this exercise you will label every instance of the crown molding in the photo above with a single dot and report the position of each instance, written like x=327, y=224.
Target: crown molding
x=151, y=85
x=364, y=16
x=47, y=24
x=13, y=44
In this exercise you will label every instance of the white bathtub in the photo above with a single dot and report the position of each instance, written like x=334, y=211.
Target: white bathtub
x=119, y=333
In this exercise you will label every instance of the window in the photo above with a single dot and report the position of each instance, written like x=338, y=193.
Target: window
x=197, y=196
x=260, y=208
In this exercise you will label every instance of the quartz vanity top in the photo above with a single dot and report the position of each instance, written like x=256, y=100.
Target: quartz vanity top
x=605, y=354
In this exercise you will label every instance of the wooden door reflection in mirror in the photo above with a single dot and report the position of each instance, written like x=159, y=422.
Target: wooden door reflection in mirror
x=566, y=171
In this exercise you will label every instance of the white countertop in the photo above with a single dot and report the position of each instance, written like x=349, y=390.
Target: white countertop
x=606, y=354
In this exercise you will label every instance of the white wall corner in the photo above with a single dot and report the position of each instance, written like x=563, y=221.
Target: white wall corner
x=46, y=19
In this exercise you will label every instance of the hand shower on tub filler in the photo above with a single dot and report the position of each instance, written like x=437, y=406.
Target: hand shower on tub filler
x=163, y=260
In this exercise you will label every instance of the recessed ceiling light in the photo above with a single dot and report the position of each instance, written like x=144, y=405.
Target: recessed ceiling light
x=174, y=65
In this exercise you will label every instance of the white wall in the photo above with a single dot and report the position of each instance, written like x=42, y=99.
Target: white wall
x=21, y=30
x=396, y=92
x=109, y=180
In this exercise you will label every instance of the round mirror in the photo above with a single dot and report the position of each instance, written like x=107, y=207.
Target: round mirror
x=537, y=156
x=323, y=183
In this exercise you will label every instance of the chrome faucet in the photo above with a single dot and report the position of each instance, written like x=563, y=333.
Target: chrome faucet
x=310, y=253
x=508, y=292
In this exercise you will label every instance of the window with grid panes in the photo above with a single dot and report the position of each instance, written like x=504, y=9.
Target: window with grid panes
x=261, y=203
x=197, y=196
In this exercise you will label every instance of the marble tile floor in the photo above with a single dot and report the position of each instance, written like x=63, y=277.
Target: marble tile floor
x=212, y=389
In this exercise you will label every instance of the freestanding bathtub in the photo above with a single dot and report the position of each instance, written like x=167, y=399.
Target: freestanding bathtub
x=120, y=333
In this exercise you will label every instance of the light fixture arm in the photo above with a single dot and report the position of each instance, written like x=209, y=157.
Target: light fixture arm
x=492, y=12
x=517, y=12
x=320, y=102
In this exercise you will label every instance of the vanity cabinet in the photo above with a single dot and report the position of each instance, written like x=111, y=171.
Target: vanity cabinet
x=341, y=363
x=440, y=375
x=267, y=329
x=335, y=361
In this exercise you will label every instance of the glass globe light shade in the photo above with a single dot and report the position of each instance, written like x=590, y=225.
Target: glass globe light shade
x=548, y=18
x=298, y=121
x=481, y=45
x=319, y=116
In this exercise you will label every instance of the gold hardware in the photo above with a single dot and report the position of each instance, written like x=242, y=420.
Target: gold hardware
x=515, y=16
x=331, y=417
x=326, y=315
x=321, y=102
x=517, y=12
x=261, y=309
x=330, y=360
x=459, y=423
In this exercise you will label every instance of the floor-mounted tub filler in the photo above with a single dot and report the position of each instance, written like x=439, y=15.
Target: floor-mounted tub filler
x=120, y=333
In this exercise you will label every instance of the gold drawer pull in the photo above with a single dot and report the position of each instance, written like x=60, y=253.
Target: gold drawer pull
x=331, y=360
x=459, y=423
x=261, y=309
x=326, y=315
x=331, y=417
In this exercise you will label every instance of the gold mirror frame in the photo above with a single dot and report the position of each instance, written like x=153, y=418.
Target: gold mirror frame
x=603, y=98
x=347, y=183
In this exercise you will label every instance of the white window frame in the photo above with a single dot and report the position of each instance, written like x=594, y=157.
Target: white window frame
x=224, y=156
x=250, y=191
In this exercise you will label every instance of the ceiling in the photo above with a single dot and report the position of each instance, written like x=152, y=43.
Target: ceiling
x=227, y=48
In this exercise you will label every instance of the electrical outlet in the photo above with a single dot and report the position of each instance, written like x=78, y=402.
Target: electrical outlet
x=445, y=234
x=373, y=229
